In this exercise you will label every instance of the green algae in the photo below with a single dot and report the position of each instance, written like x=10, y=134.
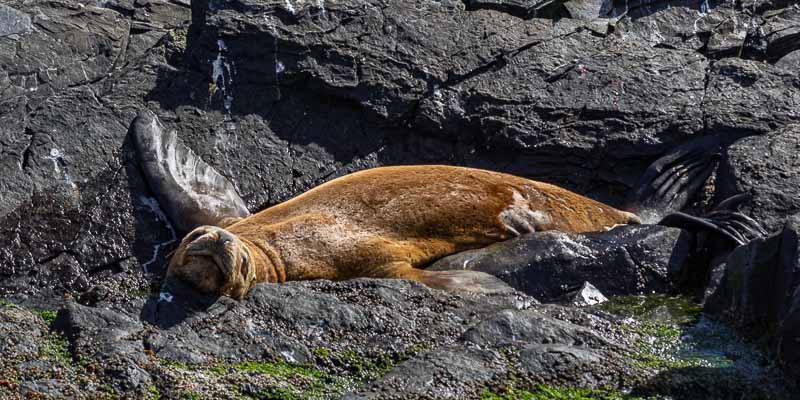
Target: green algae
x=687, y=351
x=677, y=310
x=55, y=348
x=47, y=315
x=546, y=392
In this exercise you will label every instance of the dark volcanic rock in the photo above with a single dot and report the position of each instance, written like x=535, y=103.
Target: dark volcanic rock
x=737, y=90
x=586, y=295
x=523, y=344
x=758, y=292
x=790, y=62
x=476, y=87
x=626, y=260
x=781, y=31
x=465, y=335
x=768, y=168
x=89, y=234
x=37, y=363
x=280, y=96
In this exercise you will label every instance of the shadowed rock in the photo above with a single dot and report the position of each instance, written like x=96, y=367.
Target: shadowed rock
x=758, y=292
x=768, y=169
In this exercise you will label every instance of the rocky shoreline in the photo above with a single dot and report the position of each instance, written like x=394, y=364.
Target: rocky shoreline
x=280, y=96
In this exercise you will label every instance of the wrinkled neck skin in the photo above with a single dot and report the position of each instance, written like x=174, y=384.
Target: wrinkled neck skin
x=265, y=260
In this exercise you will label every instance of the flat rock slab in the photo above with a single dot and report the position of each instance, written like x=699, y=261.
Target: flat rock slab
x=546, y=265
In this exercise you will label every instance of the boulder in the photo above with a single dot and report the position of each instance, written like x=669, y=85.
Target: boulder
x=758, y=292
x=546, y=265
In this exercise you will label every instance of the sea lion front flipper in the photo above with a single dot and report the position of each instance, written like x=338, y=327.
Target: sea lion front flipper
x=191, y=192
x=465, y=281
x=671, y=181
x=455, y=281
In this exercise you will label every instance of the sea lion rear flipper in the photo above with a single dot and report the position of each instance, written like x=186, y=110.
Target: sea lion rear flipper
x=191, y=192
x=465, y=281
x=724, y=221
x=671, y=181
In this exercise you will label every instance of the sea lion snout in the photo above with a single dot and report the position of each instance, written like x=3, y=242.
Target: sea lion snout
x=210, y=241
x=213, y=260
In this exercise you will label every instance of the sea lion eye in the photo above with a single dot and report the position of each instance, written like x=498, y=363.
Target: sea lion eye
x=244, y=264
x=194, y=236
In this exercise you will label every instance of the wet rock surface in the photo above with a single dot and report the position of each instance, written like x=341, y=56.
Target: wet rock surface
x=280, y=96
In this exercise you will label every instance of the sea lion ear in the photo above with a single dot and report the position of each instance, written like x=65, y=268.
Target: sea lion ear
x=245, y=265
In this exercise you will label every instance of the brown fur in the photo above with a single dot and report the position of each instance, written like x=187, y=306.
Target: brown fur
x=382, y=223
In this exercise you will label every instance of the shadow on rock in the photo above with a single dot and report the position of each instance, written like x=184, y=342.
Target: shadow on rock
x=711, y=383
x=176, y=301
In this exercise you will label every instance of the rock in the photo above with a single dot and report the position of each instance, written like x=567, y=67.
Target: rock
x=451, y=372
x=586, y=295
x=280, y=96
x=76, y=238
x=734, y=88
x=587, y=10
x=520, y=8
x=37, y=363
x=788, y=348
x=368, y=316
x=510, y=326
x=758, y=291
x=781, y=31
x=161, y=14
x=687, y=25
x=768, y=168
x=542, y=341
x=13, y=21
x=546, y=265
x=790, y=62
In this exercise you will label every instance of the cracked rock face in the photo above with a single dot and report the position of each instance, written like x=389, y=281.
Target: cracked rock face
x=280, y=96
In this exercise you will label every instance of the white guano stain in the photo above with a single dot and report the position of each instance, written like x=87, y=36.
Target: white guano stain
x=222, y=75
x=152, y=205
x=57, y=157
x=165, y=296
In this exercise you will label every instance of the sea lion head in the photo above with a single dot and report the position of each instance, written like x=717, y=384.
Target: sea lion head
x=213, y=260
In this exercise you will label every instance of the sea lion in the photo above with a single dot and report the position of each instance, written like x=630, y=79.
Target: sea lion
x=380, y=223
